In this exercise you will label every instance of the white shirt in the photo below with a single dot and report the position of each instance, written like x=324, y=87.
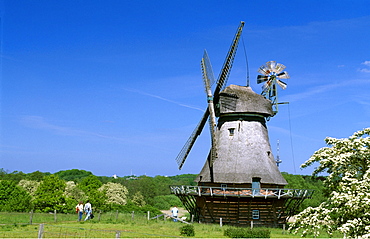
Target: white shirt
x=87, y=207
x=175, y=211
x=80, y=207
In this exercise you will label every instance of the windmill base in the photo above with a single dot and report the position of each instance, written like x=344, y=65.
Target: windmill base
x=241, y=211
x=241, y=207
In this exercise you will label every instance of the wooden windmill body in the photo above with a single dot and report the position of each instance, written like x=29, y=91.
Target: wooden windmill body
x=244, y=154
x=240, y=182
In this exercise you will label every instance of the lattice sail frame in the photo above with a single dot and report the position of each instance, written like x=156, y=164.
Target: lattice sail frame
x=221, y=82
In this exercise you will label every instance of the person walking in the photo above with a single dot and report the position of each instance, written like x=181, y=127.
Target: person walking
x=88, y=210
x=80, y=210
x=175, y=212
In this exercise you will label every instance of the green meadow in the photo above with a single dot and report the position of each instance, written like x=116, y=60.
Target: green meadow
x=109, y=225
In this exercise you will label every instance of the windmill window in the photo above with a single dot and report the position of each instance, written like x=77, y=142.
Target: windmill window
x=256, y=183
x=231, y=131
x=256, y=214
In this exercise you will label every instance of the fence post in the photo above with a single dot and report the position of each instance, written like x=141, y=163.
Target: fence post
x=99, y=215
x=192, y=218
x=132, y=215
x=148, y=215
x=41, y=231
x=116, y=215
x=31, y=216
x=220, y=221
x=283, y=228
x=55, y=215
x=118, y=234
x=251, y=224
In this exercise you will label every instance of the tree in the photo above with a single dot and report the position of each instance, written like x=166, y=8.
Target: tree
x=306, y=182
x=90, y=186
x=13, y=198
x=13, y=176
x=347, y=209
x=50, y=196
x=116, y=193
x=184, y=179
x=148, y=187
x=90, y=182
x=165, y=202
x=75, y=175
x=138, y=199
x=36, y=176
x=73, y=192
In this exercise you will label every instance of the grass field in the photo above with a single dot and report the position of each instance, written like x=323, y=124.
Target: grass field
x=111, y=225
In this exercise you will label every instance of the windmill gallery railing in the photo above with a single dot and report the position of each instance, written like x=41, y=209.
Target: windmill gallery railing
x=237, y=205
x=242, y=192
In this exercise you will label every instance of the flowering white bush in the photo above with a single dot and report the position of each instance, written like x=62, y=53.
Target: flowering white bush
x=347, y=209
x=72, y=191
x=138, y=199
x=116, y=193
x=29, y=186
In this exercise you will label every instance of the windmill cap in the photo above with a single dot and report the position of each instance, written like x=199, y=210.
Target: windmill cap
x=242, y=99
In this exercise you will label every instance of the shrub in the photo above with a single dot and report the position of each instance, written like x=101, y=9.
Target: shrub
x=130, y=207
x=235, y=232
x=247, y=232
x=13, y=198
x=187, y=230
x=164, y=202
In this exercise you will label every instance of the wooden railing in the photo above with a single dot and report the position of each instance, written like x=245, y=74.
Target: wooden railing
x=242, y=192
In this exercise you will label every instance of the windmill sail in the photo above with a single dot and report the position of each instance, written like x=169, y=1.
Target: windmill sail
x=181, y=157
x=221, y=82
x=207, y=76
x=222, y=79
x=207, y=68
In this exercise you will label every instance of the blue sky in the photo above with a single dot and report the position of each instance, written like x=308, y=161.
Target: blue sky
x=115, y=87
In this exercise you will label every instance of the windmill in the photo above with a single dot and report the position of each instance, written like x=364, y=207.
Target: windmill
x=272, y=73
x=240, y=181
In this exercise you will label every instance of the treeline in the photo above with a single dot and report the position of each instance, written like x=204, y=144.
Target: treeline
x=61, y=191
x=307, y=182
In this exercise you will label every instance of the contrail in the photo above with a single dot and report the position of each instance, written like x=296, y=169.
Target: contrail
x=164, y=99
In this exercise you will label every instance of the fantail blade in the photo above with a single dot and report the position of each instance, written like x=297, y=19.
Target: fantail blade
x=283, y=75
x=282, y=84
x=261, y=78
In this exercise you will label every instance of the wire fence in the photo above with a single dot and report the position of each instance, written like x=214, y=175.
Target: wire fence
x=37, y=218
x=31, y=218
x=42, y=225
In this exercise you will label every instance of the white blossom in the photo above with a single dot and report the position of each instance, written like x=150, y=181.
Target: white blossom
x=29, y=186
x=347, y=208
x=72, y=191
x=115, y=192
